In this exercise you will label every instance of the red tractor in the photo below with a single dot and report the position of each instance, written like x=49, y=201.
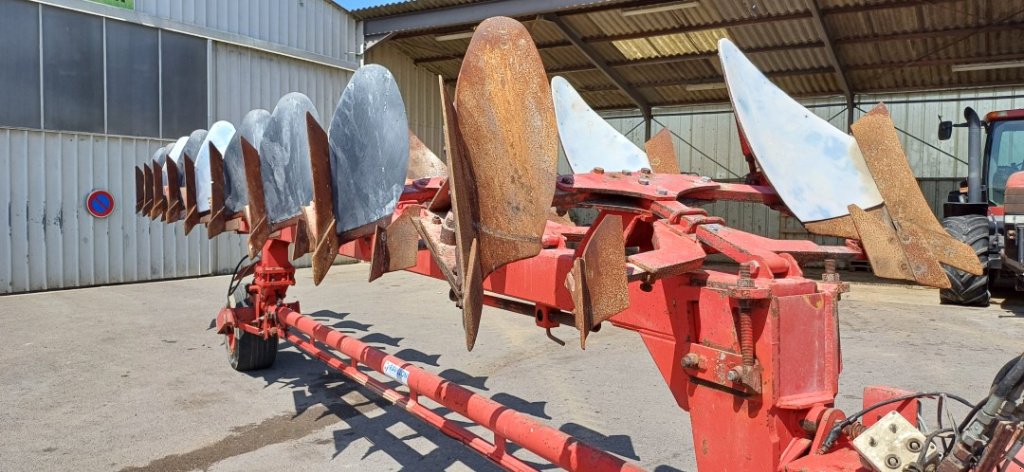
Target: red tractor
x=987, y=211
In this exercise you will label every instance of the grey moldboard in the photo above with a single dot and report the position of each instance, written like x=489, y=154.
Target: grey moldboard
x=236, y=192
x=284, y=158
x=369, y=140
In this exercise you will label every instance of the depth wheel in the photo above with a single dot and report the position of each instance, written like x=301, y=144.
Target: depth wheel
x=248, y=351
x=968, y=289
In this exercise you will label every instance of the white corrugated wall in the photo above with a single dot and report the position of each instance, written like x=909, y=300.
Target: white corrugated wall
x=706, y=142
x=419, y=91
x=48, y=240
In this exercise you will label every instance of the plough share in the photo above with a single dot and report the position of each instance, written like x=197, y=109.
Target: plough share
x=752, y=353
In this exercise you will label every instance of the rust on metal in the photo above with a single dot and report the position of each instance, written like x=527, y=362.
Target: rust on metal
x=423, y=162
x=301, y=246
x=319, y=215
x=191, y=209
x=175, y=205
x=662, y=153
x=442, y=200
x=876, y=136
x=598, y=277
x=147, y=183
x=159, y=197
x=256, y=210
x=443, y=254
x=882, y=245
x=507, y=122
x=472, y=295
x=395, y=247
x=139, y=190
x=218, y=212
x=466, y=209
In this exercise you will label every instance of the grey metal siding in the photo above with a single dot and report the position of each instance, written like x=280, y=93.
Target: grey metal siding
x=48, y=240
x=316, y=26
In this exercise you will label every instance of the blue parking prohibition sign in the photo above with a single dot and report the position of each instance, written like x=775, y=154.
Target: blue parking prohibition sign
x=99, y=203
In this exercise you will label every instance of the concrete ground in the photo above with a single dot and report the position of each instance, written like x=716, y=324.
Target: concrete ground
x=132, y=377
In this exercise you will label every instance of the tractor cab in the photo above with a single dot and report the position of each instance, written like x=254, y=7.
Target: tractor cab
x=987, y=211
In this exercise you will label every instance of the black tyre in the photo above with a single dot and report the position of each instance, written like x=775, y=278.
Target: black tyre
x=248, y=351
x=968, y=289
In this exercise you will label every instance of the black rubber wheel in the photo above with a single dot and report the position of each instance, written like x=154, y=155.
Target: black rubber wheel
x=968, y=289
x=248, y=351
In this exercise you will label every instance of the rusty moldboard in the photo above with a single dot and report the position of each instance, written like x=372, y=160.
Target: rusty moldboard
x=882, y=245
x=506, y=119
x=256, y=210
x=876, y=136
x=662, y=153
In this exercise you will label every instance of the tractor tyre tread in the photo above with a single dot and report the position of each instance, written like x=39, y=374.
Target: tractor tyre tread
x=968, y=289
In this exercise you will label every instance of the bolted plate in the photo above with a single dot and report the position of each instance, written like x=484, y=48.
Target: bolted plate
x=236, y=195
x=369, y=142
x=588, y=140
x=598, y=278
x=507, y=123
x=817, y=170
x=284, y=159
x=220, y=135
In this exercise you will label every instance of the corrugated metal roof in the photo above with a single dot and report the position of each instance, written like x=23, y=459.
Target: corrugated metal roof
x=881, y=45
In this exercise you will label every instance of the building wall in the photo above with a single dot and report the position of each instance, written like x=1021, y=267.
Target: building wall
x=707, y=143
x=48, y=241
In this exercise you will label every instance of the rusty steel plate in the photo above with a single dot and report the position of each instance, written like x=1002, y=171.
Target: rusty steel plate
x=218, y=136
x=369, y=142
x=320, y=222
x=218, y=217
x=284, y=159
x=662, y=153
x=189, y=194
x=174, y=154
x=507, y=122
x=459, y=187
x=423, y=163
x=883, y=153
x=395, y=247
x=587, y=139
x=817, y=169
x=147, y=189
x=598, y=277
x=175, y=204
x=236, y=192
x=140, y=197
x=255, y=211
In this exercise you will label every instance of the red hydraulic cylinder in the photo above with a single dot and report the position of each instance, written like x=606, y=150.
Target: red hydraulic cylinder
x=555, y=446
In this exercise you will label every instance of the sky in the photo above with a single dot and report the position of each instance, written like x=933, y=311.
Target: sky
x=357, y=4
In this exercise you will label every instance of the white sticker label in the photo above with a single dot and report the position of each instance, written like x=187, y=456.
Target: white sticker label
x=395, y=372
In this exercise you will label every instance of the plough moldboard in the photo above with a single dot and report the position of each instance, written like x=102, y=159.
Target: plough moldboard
x=752, y=354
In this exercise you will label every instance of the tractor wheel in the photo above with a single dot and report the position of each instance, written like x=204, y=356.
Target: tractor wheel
x=968, y=289
x=248, y=351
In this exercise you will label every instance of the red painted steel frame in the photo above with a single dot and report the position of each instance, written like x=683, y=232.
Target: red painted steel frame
x=753, y=358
